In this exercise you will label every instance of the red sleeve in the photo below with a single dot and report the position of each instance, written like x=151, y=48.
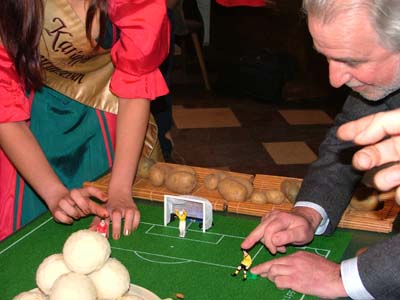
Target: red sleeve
x=254, y=3
x=14, y=105
x=142, y=47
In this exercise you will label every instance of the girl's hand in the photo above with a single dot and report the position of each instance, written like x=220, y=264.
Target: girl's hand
x=77, y=203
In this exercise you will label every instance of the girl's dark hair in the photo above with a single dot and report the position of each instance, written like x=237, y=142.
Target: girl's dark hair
x=95, y=6
x=21, y=25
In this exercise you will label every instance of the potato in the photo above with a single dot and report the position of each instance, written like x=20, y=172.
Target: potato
x=157, y=174
x=211, y=181
x=258, y=197
x=232, y=190
x=364, y=200
x=222, y=175
x=275, y=196
x=290, y=188
x=180, y=182
x=143, y=169
x=246, y=182
x=185, y=169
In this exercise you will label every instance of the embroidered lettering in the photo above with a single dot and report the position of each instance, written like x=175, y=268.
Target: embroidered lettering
x=61, y=44
x=74, y=76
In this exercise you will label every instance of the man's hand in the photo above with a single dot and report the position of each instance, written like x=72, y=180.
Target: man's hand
x=305, y=273
x=381, y=133
x=279, y=228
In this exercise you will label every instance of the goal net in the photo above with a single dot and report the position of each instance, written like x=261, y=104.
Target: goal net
x=197, y=208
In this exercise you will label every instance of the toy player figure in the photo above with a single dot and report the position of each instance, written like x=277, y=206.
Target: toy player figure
x=245, y=264
x=102, y=228
x=181, y=214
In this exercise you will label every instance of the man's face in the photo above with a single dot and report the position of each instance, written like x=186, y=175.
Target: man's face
x=355, y=55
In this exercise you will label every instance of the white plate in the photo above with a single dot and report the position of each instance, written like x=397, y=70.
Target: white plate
x=142, y=292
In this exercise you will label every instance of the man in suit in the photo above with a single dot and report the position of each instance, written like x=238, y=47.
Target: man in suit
x=361, y=41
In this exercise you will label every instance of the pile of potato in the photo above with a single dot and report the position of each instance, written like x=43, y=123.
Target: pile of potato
x=179, y=179
x=182, y=179
x=235, y=188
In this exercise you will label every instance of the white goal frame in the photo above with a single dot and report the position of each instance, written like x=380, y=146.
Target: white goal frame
x=196, y=207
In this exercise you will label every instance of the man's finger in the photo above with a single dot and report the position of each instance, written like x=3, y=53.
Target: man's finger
x=256, y=235
x=387, y=178
x=371, y=129
x=349, y=131
x=376, y=155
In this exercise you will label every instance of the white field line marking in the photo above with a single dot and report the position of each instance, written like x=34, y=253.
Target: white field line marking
x=317, y=251
x=180, y=238
x=172, y=257
x=26, y=235
x=148, y=231
x=190, y=224
x=259, y=250
x=150, y=228
x=207, y=232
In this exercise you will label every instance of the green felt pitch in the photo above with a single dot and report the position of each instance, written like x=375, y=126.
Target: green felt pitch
x=198, y=266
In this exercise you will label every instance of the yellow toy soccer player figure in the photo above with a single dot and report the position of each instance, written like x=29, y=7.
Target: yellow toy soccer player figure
x=181, y=214
x=245, y=264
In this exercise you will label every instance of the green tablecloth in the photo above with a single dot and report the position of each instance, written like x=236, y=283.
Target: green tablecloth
x=198, y=266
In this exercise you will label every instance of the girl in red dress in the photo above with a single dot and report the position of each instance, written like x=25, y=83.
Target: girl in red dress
x=67, y=130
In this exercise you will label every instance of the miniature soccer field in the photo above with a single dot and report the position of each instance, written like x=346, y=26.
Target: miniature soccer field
x=198, y=266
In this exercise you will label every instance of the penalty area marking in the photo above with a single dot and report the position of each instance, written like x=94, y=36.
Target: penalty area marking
x=219, y=236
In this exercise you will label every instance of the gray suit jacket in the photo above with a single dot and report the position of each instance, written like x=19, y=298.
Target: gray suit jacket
x=330, y=182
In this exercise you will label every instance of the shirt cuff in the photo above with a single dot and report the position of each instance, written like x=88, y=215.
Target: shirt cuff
x=352, y=282
x=324, y=222
x=147, y=86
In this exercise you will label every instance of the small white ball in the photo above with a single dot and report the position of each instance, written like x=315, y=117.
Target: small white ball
x=73, y=286
x=112, y=280
x=86, y=251
x=49, y=270
x=34, y=294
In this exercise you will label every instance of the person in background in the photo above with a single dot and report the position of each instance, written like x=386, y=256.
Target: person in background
x=88, y=105
x=161, y=108
x=361, y=41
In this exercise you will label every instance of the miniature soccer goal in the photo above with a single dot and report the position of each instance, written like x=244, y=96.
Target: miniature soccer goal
x=197, y=208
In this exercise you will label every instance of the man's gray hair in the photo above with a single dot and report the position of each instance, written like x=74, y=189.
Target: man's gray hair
x=384, y=14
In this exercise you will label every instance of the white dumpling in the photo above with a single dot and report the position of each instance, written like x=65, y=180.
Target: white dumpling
x=112, y=280
x=34, y=294
x=86, y=251
x=73, y=286
x=49, y=270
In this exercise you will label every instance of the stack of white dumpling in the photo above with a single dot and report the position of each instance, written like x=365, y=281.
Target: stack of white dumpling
x=84, y=271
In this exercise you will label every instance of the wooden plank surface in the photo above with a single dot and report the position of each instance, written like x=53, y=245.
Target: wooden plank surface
x=378, y=221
